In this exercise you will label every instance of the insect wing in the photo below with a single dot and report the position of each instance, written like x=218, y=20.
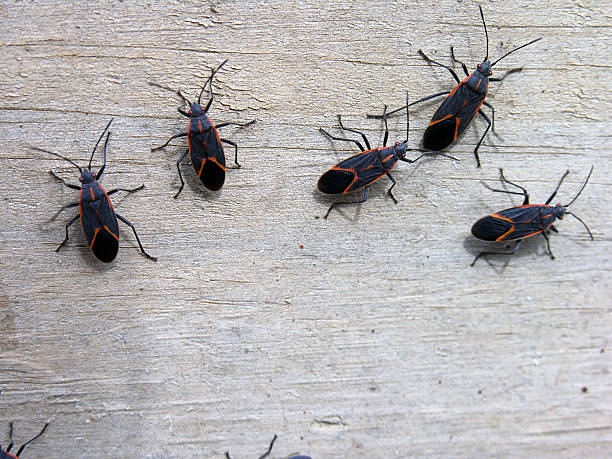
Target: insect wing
x=452, y=117
x=99, y=223
x=514, y=223
x=355, y=172
x=206, y=152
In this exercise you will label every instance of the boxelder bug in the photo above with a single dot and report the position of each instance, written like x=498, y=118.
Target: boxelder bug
x=5, y=454
x=526, y=220
x=462, y=103
x=267, y=453
x=203, y=141
x=363, y=169
x=98, y=218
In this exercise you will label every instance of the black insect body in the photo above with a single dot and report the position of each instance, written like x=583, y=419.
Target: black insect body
x=526, y=220
x=98, y=218
x=363, y=169
x=462, y=103
x=203, y=141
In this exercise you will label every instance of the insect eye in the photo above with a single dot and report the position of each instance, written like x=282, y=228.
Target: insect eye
x=189, y=112
x=81, y=179
x=478, y=66
x=397, y=144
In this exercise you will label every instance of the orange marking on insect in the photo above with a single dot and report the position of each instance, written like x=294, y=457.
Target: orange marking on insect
x=93, y=198
x=201, y=167
x=108, y=199
x=214, y=160
x=336, y=168
x=108, y=229
x=450, y=115
x=216, y=134
x=200, y=126
x=346, y=190
x=96, y=231
x=457, y=87
x=501, y=217
x=501, y=238
x=188, y=137
x=457, y=122
x=534, y=233
x=478, y=84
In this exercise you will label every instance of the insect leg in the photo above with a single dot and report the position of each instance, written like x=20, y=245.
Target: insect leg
x=365, y=139
x=463, y=66
x=323, y=131
x=61, y=209
x=125, y=189
x=524, y=193
x=69, y=185
x=552, y=257
x=426, y=153
x=365, y=197
x=67, y=226
x=182, y=134
x=514, y=249
x=552, y=196
x=453, y=73
x=389, y=190
x=393, y=112
x=267, y=453
x=219, y=126
x=486, y=118
x=506, y=74
x=229, y=142
x=178, y=167
x=137, y=238
x=386, y=135
x=492, y=114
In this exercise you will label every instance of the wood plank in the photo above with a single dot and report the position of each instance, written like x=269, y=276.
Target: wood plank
x=376, y=339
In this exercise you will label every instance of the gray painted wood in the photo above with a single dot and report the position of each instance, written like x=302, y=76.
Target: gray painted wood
x=376, y=339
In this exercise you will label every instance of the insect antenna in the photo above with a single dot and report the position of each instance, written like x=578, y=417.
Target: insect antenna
x=486, y=33
x=583, y=185
x=59, y=156
x=98, y=142
x=30, y=440
x=583, y=223
x=210, y=80
x=407, y=120
x=177, y=92
x=515, y=49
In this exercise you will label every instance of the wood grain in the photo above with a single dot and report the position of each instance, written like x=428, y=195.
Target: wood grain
x=376, y=339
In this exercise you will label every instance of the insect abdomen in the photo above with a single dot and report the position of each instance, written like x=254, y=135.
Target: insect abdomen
x=491, y=228
x=440, y=135
x=335, y=181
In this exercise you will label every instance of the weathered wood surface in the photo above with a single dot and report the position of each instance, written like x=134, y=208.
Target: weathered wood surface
x=376, y=339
